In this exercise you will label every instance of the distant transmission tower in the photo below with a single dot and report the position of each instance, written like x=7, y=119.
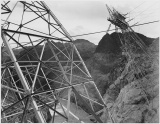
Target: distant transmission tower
x=44, y=78
x=129, y=37
x=132, y=46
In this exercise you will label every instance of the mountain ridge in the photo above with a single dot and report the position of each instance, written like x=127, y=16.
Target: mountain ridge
x=112, y=42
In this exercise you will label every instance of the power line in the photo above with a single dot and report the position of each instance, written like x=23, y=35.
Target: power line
x=146, y=17
x=92, y=33
x=113, y=29
x=143, y=11
x=136, y=7
x=140, y=13
x=145, y=23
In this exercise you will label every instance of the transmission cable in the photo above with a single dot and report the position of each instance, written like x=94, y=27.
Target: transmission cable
x=136, y=7
x=113, y=29
x=143, y=11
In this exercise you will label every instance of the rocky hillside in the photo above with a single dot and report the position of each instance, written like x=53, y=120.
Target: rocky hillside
x=85, y=48
x=134, y=97
x=130, y=89
x=110, y=43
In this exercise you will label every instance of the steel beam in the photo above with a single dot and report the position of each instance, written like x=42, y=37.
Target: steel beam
x=11, y=89
x=65, y=76
x=86, y=104
x=21, y=76
x=56, y=20
x=69, y=37
x=38, y=68
x=50, y=107
x=35, y=35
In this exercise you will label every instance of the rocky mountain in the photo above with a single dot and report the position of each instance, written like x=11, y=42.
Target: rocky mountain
x=129, y=88
x=110, y=43
x=85, y=48
x=108, y=53
x=133, y=97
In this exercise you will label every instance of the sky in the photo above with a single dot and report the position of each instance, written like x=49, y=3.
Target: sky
x=80, y=17
x=86, y=16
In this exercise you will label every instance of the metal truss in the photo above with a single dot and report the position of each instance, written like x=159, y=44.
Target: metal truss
x=44, y=79
x=132, y=45
x=129, y=36
x=4, y=8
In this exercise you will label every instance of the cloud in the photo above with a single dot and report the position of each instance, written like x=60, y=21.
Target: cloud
x=77, y=30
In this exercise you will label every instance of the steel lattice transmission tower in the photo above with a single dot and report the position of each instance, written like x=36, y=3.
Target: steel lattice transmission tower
x=43, y=75
x=130, y=41
x=133, y=48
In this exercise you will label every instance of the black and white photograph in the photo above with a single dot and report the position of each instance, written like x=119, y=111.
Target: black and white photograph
x=80, y=61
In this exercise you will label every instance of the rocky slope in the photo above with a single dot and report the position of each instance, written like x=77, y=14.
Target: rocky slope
x=130, y=89
x=137, y=101
x=110, y=43
x=85, y=48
